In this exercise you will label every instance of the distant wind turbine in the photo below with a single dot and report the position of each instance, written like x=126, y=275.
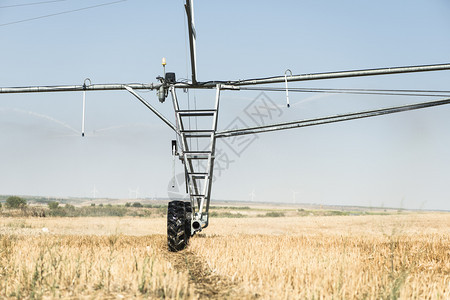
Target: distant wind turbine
x=135, y=192
x=294, y=193
x=94, y=192
x=252, y=195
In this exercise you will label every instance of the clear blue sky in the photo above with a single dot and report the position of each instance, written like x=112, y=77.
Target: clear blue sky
x=397, y=160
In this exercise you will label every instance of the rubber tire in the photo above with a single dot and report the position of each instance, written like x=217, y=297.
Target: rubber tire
x=188, y=210
x=176, y=226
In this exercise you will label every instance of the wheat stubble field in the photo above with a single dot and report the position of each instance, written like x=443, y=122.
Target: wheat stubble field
x=398, y=256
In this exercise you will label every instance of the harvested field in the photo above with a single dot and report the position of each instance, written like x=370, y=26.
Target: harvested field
x=350, y=257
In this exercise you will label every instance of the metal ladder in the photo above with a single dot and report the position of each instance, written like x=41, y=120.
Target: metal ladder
x=198, y=163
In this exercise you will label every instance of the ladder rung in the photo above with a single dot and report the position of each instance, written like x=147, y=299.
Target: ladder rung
x=198, y=174
x=198, y=177
x=196, y=113
x=197, y=195
x=197, y=154
x=197, y=130
x=198, y=135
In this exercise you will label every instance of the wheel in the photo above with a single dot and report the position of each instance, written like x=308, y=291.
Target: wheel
x=176, y=226
x=188, y=209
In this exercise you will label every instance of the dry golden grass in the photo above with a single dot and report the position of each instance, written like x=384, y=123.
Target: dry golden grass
x=365, y=257
x=84, y=226
x=404, y=256
x=54, y=266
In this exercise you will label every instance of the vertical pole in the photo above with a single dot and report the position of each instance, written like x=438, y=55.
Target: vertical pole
x=189, y=6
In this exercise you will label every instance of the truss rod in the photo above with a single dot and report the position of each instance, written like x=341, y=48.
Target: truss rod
x=418, y=93
x=331, y=119
x=351, y=89
x=342, y=74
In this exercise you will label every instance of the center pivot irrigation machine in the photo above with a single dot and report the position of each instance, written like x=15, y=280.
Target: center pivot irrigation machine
x=184, y=219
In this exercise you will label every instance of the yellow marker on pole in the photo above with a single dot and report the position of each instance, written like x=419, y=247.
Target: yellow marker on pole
x=163, y=62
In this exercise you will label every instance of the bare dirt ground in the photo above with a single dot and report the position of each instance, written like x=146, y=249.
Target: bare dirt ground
x=207, y=285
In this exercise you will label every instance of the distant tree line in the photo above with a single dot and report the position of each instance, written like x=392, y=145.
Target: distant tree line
x=17, y=206
x=15, y=202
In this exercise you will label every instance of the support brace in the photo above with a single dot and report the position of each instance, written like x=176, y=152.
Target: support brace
x=157, y=113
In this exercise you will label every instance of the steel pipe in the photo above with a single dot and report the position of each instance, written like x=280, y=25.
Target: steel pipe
x=330, y=119
x=233, y=85
x=80, y=88
x=342, y=74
